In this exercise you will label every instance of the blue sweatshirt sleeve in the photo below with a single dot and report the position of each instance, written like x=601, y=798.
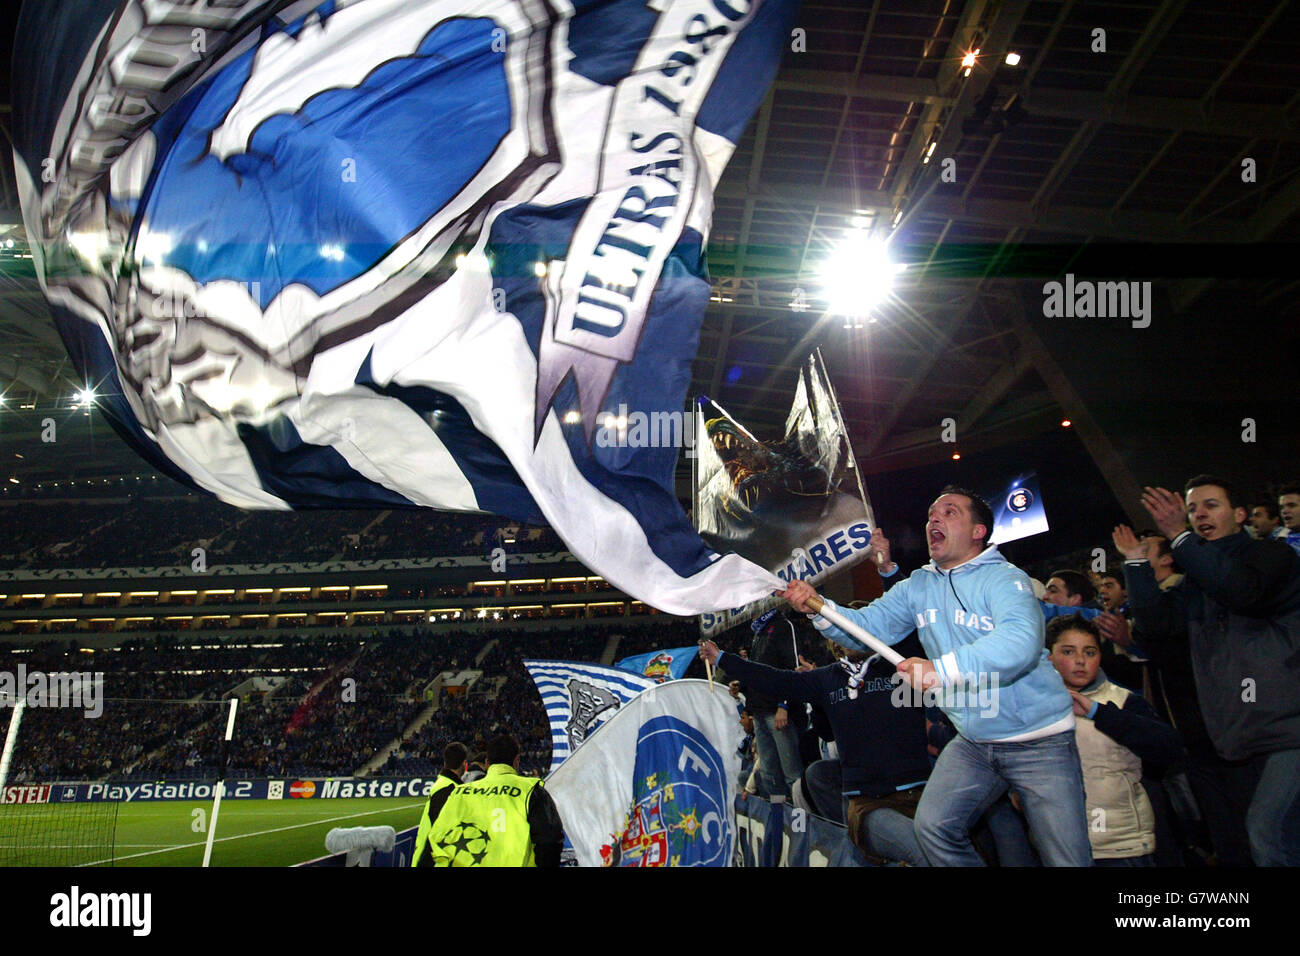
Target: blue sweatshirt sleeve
x=1015, y=645
x=888, y=619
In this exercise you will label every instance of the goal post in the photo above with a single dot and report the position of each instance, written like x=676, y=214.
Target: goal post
x=11, y=740
x=69, y=774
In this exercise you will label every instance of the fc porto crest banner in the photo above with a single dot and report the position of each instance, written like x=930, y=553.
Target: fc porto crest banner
x=579, y=698
x=387, y=253
x=659, y=666
x=657, y=785
x=796, y=506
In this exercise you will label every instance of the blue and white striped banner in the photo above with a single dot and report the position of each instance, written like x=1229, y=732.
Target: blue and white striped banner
x=579, y=698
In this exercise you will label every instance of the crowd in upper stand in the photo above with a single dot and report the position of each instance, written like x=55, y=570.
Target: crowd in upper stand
x=338, y=701
x=155, y=532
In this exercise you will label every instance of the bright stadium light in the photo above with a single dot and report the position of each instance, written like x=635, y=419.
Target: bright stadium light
x=858, y=275
x=85, y=397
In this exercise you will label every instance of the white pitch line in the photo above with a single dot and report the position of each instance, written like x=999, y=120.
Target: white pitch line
x=242, y=836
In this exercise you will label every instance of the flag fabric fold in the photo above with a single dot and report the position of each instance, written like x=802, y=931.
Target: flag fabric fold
x=656, y=785
x=579, y=698
x=397, y=253
x=659, y=666
x=796, y=506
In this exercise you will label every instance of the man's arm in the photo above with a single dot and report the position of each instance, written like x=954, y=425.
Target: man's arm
x=1014, y=646
x=1159, y=617
x=545, y=827
x=888, y=618
x=436, y=802
x=782, y=684
x=1244, y=583
x=1136, y=726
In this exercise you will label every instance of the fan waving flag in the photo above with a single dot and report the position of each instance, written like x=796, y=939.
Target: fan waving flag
x=579, y=698
x=386, y=253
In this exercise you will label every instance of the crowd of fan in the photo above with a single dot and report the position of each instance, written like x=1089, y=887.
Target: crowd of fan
x=154, y=532
x=1183, y=680
x=336, y=702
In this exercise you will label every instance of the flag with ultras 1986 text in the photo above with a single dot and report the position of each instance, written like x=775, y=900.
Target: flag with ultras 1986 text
x=397, y=253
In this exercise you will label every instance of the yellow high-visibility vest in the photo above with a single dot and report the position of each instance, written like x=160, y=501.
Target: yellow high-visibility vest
x=422, y=835
x=485, y=822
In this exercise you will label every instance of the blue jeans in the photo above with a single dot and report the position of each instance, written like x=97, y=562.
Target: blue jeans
x=779, y=764
x=967, y=779
x=1010, y=840
x=824, y=781
x=892, y=835
x=1273, y=820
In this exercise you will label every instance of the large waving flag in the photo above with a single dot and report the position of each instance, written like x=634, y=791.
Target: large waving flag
x=579, y=698
x=797, y=506
x=657, y=785
x=397, y=252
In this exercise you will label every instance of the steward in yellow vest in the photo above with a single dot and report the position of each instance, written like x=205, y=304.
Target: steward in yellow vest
x=501, y=819
x=455, y=762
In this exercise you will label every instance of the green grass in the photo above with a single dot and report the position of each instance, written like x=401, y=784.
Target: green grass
x=249, y=832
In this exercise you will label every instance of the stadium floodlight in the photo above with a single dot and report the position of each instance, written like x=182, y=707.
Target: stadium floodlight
x=85, y=397
x=858, y=275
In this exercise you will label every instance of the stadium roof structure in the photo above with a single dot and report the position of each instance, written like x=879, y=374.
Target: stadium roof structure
x=1113, y=145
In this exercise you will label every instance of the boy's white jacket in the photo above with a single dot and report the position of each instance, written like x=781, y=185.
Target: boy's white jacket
x=982, y=627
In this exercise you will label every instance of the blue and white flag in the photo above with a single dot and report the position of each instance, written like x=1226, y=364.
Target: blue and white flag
x=579, y=698
x=659, y=666
x=385, y=253
x=657, y=785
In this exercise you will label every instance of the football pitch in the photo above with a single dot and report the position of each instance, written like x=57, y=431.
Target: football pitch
x=172, y=833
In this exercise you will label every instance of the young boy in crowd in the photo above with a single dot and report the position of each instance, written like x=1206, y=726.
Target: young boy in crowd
x=1118, y=735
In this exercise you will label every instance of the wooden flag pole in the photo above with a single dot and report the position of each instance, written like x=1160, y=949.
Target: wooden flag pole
x=844, y=624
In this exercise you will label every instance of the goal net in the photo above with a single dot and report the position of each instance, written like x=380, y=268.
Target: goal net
x=68, y=776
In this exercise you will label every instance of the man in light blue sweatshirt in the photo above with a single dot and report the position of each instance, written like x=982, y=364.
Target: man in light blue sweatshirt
x=989, y=671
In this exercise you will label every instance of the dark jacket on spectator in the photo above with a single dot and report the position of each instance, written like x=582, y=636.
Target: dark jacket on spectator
x=1240, y=602
x=775, y=647
x=882, y=746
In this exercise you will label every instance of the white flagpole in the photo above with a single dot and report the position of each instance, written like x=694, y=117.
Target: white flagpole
x=844, y=624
